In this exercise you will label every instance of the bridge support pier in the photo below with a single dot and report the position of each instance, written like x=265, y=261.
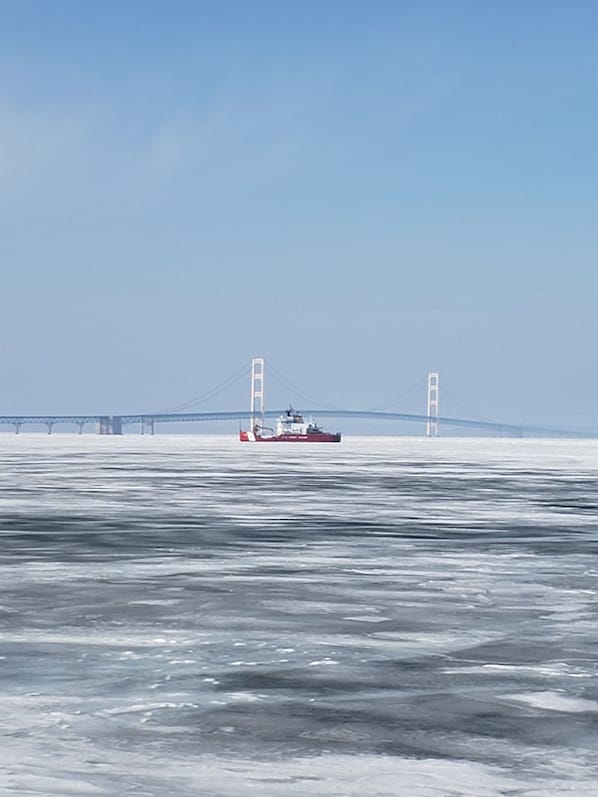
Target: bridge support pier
x=110, y=424
x=149, y=422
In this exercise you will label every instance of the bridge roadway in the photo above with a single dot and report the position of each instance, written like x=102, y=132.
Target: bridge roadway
x=113, y=424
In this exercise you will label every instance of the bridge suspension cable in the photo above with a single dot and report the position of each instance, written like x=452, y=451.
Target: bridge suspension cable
x=221, y=387
x=402, y=397
x=282, y=380
x=461, y=403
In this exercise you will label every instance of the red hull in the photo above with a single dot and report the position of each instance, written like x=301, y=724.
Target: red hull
x=318, y=437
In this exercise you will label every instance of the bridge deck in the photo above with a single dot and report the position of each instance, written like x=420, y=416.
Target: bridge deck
x=192, y=417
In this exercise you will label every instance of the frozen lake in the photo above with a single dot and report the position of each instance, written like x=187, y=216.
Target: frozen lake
x=387, y=616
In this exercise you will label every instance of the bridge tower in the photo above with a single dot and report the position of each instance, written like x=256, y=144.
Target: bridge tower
x=257, y=391
x=433, y=404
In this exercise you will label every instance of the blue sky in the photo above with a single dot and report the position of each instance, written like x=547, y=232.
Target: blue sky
x=360, y=192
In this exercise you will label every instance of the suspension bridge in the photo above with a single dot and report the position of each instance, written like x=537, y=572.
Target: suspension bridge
x=146, y=422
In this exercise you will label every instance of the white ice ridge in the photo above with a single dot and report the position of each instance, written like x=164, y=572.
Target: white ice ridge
x=555, y=701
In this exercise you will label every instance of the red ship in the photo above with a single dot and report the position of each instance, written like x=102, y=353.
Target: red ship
x=290, y=428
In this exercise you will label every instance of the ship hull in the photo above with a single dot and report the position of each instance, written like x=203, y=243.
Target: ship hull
x=318, y=437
